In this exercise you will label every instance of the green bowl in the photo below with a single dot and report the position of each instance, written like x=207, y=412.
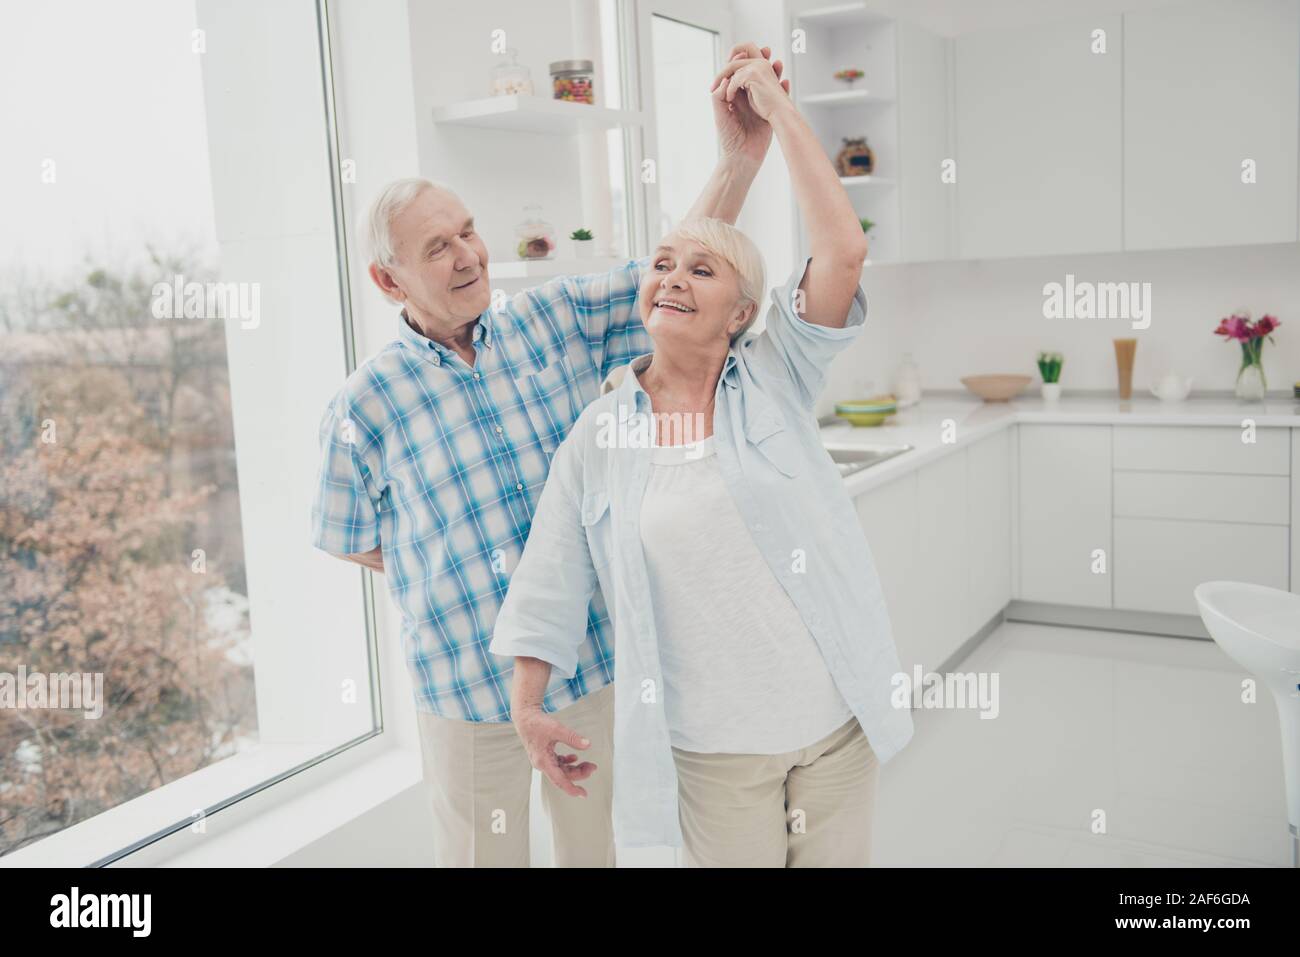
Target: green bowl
x=864, y=418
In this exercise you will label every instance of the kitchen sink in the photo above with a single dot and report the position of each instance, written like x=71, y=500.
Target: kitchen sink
x=854, y=458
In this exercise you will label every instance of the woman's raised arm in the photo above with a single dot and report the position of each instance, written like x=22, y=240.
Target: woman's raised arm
x=835, y=233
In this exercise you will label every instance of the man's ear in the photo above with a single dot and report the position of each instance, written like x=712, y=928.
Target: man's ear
x=386, y=283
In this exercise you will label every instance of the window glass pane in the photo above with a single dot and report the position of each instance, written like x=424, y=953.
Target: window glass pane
x=685, y=62
x=132, y=650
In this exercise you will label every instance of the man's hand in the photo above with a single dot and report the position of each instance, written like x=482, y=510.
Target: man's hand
x=742, y=133
x=540, y=732
x=753, y=86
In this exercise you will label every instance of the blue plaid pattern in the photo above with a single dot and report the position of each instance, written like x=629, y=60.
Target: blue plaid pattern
x=442, y=466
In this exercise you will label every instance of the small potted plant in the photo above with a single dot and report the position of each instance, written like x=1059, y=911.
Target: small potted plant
x=1049, y=364
x=866, y=225
x=583, y=244
x=1251, y=384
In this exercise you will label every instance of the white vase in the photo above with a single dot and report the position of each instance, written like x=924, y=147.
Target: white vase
x=1051, y=391
x=584, y=248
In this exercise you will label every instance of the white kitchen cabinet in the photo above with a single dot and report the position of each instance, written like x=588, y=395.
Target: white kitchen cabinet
x=1197, y=503
x=888, y=517
x=1207, y=497
x=942, y=550
x=1065, y=513
x=988, y=525
x=925, y=200
x=1158, y=562
x=1295, y=512
x=1209, y=86
x=1208, y=448
x=1038, y=139
x=941, y=540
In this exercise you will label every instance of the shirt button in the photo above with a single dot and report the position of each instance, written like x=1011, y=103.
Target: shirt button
x=476, y=375
x=498, y=430
x=519, y=487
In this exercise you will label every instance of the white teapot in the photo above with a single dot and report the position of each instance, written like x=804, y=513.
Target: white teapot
x=1172, y=388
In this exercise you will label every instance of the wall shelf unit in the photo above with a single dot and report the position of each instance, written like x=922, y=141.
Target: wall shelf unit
x=852, y=36
x=534, y=114
x=857, y=182
x=546, y=268
x=848, y=97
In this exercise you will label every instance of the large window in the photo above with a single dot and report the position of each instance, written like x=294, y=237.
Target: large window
x=685, y=60
x=171, y=325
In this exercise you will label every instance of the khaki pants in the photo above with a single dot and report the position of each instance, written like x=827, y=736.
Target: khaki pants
x=806, y=808
x=480, y=781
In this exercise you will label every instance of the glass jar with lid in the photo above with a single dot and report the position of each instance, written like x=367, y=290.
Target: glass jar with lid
x=573, y=80
x=510, y=77
x=536, y=237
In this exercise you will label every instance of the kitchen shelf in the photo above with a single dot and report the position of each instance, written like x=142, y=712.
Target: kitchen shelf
x=546, y=268
x=841, y=15
x=534, y=114
x=877, y=181
x=845, y=98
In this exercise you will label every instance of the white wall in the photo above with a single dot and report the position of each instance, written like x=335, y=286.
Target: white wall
x=964, y=318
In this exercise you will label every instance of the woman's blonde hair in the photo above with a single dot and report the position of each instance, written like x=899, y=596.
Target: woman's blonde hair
x=738, y=250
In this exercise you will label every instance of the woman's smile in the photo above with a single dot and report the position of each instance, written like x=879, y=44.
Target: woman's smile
x=667, y=304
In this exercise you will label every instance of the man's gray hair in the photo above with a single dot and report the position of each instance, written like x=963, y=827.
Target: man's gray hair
x=394, y=198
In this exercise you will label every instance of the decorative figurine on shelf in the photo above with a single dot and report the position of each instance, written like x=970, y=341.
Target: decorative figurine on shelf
x=856, y=158
x=849, y=75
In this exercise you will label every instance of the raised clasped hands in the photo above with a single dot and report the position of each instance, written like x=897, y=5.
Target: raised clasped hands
x=745, y=94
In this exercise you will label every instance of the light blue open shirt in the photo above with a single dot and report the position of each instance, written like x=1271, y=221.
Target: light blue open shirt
x=790, y=494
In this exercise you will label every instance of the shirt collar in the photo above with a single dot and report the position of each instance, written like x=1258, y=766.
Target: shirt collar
x=624, y=378
x=435, y=352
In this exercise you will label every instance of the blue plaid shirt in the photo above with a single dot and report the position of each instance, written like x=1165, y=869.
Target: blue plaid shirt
x=442, y=466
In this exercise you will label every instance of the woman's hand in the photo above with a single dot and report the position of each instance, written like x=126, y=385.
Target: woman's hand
x=753, y=87
x=742, y=132
x=540, y=732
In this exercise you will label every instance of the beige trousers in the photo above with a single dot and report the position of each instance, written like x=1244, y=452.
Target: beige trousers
x=806, y=808
x=480, y=782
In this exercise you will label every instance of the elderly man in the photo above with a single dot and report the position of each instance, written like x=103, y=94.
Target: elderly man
x=435, y=453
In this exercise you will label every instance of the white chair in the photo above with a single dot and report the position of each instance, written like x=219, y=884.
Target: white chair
x=1259, y=629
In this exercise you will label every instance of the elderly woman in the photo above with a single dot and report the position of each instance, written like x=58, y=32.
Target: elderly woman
x=753, y=653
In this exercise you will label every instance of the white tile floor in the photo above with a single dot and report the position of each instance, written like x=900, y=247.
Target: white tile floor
x=1150, y=730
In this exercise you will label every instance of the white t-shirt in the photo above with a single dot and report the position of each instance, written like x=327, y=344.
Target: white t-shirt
x=742, y=674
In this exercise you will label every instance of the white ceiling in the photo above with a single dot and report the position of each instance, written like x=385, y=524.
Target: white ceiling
x=953, y=17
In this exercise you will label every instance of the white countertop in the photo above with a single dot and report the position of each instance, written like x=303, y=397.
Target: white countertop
x=922, y=425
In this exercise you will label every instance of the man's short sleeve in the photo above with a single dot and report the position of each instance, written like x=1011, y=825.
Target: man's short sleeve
x=803, y=350
x=345, y=515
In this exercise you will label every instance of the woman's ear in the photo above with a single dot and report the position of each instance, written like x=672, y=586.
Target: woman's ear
x=741, y=318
